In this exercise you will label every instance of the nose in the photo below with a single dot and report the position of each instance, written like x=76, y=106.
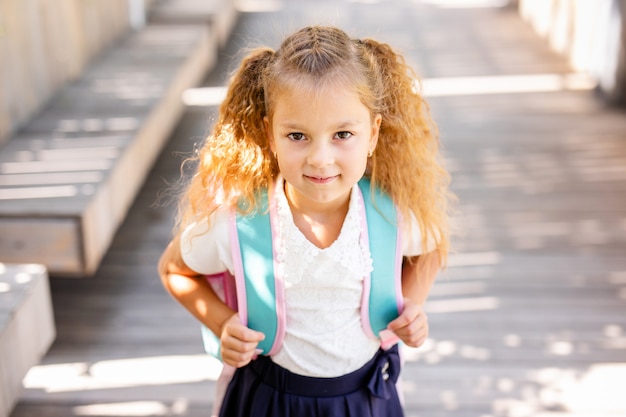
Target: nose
x=320, y=154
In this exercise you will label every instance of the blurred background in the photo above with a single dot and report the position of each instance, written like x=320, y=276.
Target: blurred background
x=101, y=101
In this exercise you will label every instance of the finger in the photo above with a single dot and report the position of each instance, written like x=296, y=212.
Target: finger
x=412, y=330
x=237, y=359
x=244, y=333
x=240, y=332
x=410, y=313
x=241, y=344
x=417, y=341
x=415, y=334
x=250, y=335
x=238, y=353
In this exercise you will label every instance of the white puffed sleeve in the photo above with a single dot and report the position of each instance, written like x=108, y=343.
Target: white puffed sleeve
x=412, y=238
x=206, y=248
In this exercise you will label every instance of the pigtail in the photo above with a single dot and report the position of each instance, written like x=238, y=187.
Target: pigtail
x=235, y=159
x=240, y=148
x=406, y=160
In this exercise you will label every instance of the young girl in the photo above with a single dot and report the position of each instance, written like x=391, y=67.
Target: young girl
x=306, y=123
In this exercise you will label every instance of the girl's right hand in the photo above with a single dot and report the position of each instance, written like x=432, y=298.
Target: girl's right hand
x=238, y=342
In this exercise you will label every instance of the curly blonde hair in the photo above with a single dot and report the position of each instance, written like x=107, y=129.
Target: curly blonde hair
x=235, y=160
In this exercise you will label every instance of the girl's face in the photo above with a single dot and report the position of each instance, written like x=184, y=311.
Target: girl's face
x=321, y=141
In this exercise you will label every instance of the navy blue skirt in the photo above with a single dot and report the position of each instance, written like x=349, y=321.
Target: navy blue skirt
x=264, y=389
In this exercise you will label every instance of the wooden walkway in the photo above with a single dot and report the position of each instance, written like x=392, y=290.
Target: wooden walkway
x=528, y=320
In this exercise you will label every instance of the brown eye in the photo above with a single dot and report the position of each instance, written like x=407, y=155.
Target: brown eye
x=343, y=135
x=296, y=136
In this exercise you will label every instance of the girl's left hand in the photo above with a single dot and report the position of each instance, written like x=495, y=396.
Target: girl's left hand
x=412, y=325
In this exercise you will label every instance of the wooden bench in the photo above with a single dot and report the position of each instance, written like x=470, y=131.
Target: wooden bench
x=26, y=326
x=69, y=177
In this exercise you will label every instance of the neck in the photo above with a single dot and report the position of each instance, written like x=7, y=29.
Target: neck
x=320, y=223
x=314, y=210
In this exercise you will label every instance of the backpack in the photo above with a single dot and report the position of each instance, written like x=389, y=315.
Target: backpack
x=258, y=294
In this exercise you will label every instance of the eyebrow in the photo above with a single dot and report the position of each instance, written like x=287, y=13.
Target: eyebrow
x=341, y=125
x=347, y=123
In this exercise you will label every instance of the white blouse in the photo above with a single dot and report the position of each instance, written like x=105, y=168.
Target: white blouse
x=323, y=336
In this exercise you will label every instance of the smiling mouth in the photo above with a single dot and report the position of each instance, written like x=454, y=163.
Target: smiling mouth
x=320, y=180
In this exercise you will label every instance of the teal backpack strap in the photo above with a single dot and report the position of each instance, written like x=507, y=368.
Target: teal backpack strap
x=383, y=296
x=257, y=285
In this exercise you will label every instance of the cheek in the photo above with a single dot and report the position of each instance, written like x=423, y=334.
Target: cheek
x=359, y=150
x=280, y=150
x=284, y=155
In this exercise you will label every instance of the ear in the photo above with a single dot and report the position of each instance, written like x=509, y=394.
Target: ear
x=268, y=132
x=376, y=122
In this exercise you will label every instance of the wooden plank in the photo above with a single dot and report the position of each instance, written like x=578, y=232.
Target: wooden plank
x=52, y=241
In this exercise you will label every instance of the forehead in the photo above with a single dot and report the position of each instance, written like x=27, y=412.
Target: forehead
x=327, y=104
x=340, y=77
x=311, y=93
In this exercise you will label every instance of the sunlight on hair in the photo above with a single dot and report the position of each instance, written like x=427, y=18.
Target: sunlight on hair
x=506, y=84
x=123, y=373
